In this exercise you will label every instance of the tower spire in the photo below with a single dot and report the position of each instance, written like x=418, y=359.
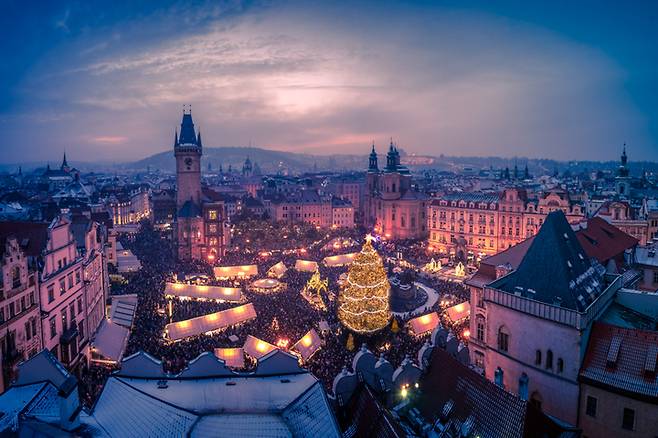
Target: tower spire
x=64, y=163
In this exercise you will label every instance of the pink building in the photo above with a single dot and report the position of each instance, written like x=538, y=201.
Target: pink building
x=392, y=208
x=530, y=326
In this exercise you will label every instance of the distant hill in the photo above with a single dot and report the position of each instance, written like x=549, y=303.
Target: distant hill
x=269, y=161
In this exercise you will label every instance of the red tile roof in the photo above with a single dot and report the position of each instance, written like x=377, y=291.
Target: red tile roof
x=604, y=241
x=495, y=412
x=622, y=360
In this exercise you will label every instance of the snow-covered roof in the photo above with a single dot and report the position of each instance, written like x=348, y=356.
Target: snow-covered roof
x=245, y=406
x=123, y=309
x=110, y=340
x=235, y=271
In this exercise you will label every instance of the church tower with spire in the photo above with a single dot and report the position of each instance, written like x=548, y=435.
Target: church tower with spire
x=188, y=150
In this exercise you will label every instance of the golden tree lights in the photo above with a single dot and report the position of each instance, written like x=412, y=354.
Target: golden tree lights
x=363, y=302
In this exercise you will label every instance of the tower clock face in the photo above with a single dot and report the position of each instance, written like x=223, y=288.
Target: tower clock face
x=188, y=163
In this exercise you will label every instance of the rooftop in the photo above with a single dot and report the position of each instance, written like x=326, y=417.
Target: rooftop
x=556, y=269
x=622, y=360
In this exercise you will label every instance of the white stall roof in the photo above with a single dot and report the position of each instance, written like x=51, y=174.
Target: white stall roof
x=257, y=348
x=203, y=291
x=110, y=340
x=235, y=271
x=424, y=323
x=306, y=265
x=211, y=322
x=308, y=344
x=459, y=311
x=123, y=309
x=277, y=270
x=233, y=357
x=339, y=260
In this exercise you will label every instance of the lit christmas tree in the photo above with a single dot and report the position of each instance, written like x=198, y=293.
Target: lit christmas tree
x=363, y=302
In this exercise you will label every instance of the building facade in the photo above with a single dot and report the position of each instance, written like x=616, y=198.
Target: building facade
x=20, y=323
x=469, y=225
x=392, y=207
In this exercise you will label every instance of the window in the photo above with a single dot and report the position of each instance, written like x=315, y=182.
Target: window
x=628, y=422
x=72, y=310
x=53, y=327
x=28, y=331
x=77, y=276
x=81, y=329
x=79, y=305
x=549, y=360
x=70, y=277
x=655, y=276
x=523, y=387
x=498, y=377
x=62, y=285
x=212, y=215
x=480, y=328
x=64, y=320
x=538, y=357
x=479, y=359
x=51, y=293
x=590, y=409
x=33, y=321
x=503, y=339
x=16, y=277
x=560, y=365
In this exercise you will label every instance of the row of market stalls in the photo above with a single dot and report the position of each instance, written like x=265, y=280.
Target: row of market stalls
x=278, y=269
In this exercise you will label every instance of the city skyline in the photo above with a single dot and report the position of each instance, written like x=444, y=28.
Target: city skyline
x=512, y=80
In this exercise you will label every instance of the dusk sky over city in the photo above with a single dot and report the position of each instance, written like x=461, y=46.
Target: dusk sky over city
x=107, y=82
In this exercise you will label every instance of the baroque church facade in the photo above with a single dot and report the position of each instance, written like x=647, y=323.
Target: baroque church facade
x=202, y=231
x=392, y=207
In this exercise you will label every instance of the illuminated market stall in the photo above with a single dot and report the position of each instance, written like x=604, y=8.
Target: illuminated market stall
x=267, y=285
x=257, y=348
x=339, y=260
x=459, y=312
x=209, y=323
x=306, y=266
x=183, y=290
x=233, y=357
x=424, y=323
x=233, y=272
x=308, y=344
x=277, y=270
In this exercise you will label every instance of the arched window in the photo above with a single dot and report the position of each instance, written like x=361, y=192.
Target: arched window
x=560, y=365
x=498, y=377
x=549, y=360
x=503, y=339
x=538, y=357
x=523, y=386
x=536, y=399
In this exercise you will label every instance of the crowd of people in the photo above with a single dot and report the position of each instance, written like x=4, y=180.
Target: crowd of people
x=281, y=316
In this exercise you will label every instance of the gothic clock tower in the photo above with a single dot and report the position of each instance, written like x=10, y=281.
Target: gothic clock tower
x=188, y=150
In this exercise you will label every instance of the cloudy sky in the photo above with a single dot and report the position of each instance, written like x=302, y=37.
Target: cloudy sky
x=107, y=81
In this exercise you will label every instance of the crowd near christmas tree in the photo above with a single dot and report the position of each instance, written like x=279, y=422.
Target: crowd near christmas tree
x=281, y=316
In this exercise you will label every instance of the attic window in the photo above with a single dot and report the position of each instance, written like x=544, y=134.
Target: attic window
x=613, y=352
x=566, y=236
x=569, y=264
x=580, y=256
x=162, y=384
x=650, y=362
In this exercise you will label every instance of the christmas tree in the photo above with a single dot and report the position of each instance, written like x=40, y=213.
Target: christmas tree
x=363, y=303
